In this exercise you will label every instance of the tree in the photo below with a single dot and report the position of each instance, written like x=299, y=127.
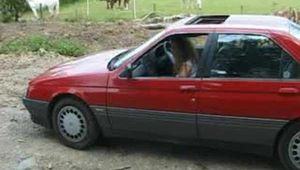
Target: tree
x=12, y=9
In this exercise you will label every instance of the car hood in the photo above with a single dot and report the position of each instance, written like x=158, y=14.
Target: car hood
x=86, y=71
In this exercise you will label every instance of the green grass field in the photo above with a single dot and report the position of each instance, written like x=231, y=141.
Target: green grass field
x=98, y=11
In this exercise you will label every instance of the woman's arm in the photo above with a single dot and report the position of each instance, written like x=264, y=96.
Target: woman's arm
x=185, y=69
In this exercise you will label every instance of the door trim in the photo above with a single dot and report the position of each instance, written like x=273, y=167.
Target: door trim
x=166, y=123
x=258, y=131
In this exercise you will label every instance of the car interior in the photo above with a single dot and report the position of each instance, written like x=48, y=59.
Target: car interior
x=252, y=58
x=247, y=57
x=159, y=61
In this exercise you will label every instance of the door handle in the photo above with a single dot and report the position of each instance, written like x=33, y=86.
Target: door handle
x=211, y=86
x=188, y=88
x=288, y=90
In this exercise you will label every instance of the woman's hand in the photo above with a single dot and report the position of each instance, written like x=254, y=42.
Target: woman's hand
x=185, y=70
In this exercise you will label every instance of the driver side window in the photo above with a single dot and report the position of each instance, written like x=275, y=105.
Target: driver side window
x=176, y=56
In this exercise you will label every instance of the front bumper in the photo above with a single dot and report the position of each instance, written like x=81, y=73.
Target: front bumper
x=38, y=111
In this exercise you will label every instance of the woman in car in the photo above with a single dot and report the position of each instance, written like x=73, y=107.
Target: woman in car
x=185, y=57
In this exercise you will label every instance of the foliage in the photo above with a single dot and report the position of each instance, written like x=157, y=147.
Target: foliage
x=12, y=9
x=38, y=43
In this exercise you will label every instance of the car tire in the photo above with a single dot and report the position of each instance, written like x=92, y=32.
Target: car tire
x=74, y=124
x=289, y=147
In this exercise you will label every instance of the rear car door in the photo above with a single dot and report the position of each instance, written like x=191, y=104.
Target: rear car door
x=155, y=101
x=246, y=94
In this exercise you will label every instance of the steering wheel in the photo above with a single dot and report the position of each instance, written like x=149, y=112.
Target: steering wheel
x=168, y=51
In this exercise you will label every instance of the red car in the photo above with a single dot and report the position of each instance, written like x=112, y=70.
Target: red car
x=222, y=81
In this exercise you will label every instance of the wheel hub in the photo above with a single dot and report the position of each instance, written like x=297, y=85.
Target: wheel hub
x=294, y=150
x=72, y=123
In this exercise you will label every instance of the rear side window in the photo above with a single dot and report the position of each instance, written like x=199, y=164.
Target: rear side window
x=251, y=56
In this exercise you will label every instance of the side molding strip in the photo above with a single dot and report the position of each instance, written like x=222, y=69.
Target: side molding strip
x=258, y=131
x=101, y=116
x=239, y=129
x=168, y=124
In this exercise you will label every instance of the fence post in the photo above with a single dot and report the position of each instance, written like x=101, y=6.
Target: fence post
x=41, y=11
x=88, y=8
x=134, y=9
x=76, y=11
x=274, y=5
x=242, y=9
x=154, y=7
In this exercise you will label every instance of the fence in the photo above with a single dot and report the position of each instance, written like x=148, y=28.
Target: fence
x=96, y=10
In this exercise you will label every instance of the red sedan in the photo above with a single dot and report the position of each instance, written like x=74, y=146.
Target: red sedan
x=222, y=81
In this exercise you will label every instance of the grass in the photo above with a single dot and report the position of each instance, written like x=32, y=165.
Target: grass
x=98, y=11
x=36, y=43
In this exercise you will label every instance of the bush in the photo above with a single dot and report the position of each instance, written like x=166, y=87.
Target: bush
x=12, y=9
x=68, y=48
x=36, y=43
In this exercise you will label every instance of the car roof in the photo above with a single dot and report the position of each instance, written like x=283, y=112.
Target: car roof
x=257, y=22
x=263, y=20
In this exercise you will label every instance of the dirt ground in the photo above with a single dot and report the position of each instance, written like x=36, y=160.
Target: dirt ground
x=26, y=145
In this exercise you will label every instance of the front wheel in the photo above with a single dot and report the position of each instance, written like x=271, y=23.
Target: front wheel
x=289, y=147
x=74, y=124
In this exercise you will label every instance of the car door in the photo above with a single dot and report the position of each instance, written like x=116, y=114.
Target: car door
x=154, y=102
x=243, y=97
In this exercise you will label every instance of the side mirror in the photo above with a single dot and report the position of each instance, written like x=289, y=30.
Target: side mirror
x=128, y=71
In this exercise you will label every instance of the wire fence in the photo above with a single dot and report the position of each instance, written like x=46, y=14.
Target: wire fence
x=96, y=10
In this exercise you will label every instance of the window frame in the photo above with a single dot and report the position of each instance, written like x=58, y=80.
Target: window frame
x=206, y=53
x=210, y=58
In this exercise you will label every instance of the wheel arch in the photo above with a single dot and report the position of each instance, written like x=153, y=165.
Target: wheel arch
x=62, y=96
x=281, y=132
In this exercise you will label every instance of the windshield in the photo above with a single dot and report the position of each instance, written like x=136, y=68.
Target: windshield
x=119, y=60
x=295, y=30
